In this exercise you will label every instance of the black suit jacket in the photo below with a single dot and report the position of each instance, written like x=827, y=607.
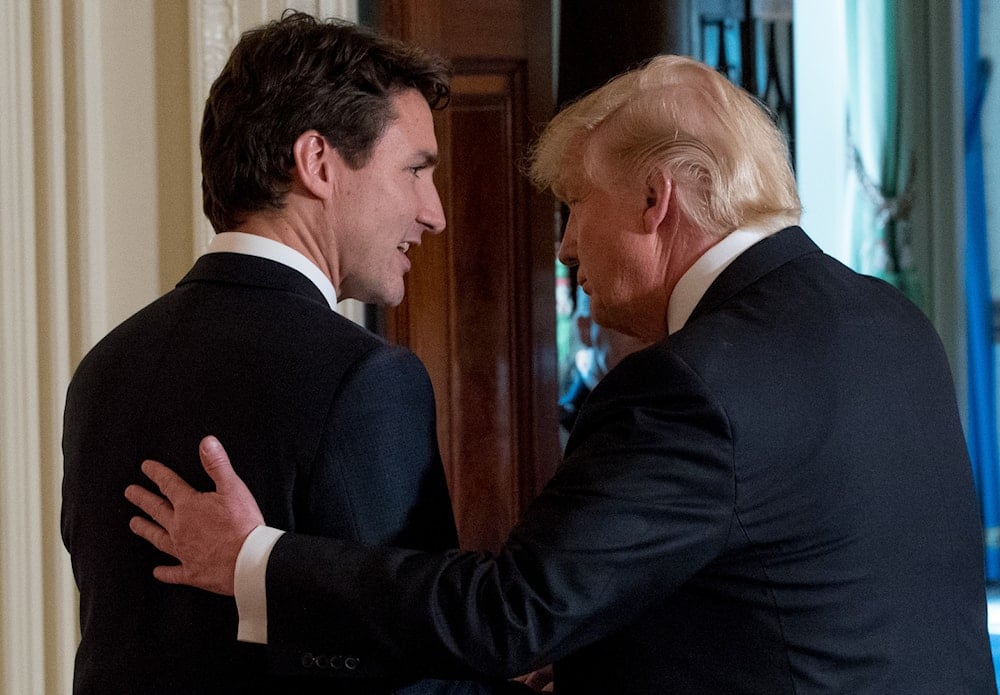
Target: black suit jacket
x=775, y=499
x=331, y=428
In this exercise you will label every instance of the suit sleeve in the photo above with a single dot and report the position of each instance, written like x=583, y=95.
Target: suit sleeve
x=377, y=479
x=643, y=500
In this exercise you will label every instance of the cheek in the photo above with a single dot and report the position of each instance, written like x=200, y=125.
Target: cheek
x=626, y=277
x=617, y=261
x=624, y=284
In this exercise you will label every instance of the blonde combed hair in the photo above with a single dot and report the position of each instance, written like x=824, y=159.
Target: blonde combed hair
x=728, y=160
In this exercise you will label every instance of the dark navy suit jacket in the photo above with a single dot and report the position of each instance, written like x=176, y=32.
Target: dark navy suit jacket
x=331, y=428
x=775, y=499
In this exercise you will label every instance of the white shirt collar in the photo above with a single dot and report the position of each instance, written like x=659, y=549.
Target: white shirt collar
x=262, y=247
x=693, y=284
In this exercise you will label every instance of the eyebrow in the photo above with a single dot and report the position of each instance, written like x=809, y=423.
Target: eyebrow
x=428, y=159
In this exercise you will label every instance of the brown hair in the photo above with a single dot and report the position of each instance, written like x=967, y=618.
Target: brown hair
x=293, y=75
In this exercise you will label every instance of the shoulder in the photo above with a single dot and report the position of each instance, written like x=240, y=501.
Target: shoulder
x=654, y=389
x=394, y=369
x=663, y=364
x=139, y=336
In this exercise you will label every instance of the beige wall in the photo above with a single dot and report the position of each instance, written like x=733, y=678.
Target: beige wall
x=99, y=103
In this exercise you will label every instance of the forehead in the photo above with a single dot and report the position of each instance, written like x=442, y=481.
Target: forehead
x=573, y=175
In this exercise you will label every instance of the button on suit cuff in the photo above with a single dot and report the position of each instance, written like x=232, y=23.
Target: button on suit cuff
x=250, y=585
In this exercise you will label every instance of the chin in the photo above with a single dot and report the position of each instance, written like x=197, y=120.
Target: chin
x=390, y=298
x=385, y=295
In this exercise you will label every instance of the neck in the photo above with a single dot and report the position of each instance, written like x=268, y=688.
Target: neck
x=289, y=229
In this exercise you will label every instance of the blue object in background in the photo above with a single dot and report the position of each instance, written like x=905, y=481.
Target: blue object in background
x=982, y=425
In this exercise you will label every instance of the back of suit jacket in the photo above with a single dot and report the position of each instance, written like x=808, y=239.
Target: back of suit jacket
x=774, y=499
x=820, y=531
x=332, y=430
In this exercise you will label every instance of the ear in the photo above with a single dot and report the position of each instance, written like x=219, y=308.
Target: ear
x=313, y=163
x=659, y=188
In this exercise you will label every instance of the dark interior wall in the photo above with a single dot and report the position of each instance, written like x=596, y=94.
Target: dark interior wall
x=600, y=39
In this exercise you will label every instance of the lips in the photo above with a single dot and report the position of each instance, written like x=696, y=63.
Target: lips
x=404, y=247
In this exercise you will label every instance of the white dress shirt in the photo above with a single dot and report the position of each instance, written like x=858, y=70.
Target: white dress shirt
x=693, y=284
x=262, y=247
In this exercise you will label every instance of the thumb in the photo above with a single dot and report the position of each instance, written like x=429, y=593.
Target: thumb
x=230, y=487
x=215, y=461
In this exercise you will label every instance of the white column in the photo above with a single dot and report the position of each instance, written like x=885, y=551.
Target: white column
x=55, y=331
x=22, y=605
x=38, y=624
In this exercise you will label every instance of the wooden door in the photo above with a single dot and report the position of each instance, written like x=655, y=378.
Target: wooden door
x=479, y=307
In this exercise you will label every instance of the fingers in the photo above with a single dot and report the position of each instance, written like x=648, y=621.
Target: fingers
x=171, y=485
x=171, y=574
x=154, y=533
x=147, y=530
x=158, y=508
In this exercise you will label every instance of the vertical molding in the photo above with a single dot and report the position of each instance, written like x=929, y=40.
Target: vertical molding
x=89, y=171
x=489, y=325
x=54, y=323
x=38, y=619
x=215, y=28
x=213, y=34
x=21, y=666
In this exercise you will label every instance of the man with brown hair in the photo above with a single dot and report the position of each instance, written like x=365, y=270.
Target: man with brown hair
x=318, y=151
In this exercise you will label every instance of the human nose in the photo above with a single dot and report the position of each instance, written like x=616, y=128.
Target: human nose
x=431, y=214
x=567, y=249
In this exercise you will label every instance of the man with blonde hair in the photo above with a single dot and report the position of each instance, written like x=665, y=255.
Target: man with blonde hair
x=774, y=497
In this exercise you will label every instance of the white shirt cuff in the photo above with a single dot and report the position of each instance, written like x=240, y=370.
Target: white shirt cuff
x=250, y=586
